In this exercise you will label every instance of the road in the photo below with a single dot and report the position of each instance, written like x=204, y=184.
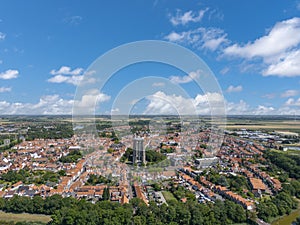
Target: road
x=261, y=222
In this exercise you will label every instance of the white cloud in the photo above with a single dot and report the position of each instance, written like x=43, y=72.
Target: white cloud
x=232, y=88
x=242, y=108
x=225, y=70
x=269, y=95
x=3, y=107
x=288, y=66
x=208, y=98
x=213, y=38
x=184, y=18
x=66, y=75
x=2, y=36
x=65, y=70
x=73, y=20
x=75, y=80
x=158, y=84
x=205, y=38
x=134, y=101
x=290, y=101
x=89, y=101
x=161, y=103
x=289, y=93
x=264, y=110
x=278, y=49
x=53, y=105
x=49, y=104
x=293, y=102
x=239, y=108
x=213, y=44
x=176, y=37
x=115, y=111
x=215, y=14
x=185, y=79
x=9, y=74
x=5, y=89
x=283, y=36
x=58, y=79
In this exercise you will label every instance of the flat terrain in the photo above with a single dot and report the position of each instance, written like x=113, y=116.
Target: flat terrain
x=168, y=196
x=288, y=219
x=279, y=125
x=24, y=217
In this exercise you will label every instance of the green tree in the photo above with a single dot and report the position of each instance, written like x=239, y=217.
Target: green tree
x=106, y=195
x=139, y=220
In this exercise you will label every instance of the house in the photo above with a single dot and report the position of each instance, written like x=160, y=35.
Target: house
x=2, y=193
x=124, y=199
x=16, y=185
x=139, y=193
x=235, y=197
x=9, y=194
x=85, y=194
x=276, y=184
x=258, y=187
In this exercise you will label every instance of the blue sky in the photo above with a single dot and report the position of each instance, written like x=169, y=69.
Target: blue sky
x=252, y=47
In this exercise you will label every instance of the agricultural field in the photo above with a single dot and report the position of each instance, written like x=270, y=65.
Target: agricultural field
x=23, y=217
x=268, y=124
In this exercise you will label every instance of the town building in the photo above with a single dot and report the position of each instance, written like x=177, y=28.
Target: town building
x=206, y=162
x=139, y=153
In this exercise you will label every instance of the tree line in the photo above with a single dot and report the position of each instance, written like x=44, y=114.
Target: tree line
x=70, y=211
x=31, y=177
x=281, y=204
x=72, y=157
x=289, y=163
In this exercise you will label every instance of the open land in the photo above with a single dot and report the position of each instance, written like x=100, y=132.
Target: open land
x=22, y=217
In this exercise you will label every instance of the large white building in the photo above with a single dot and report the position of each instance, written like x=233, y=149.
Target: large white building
x=139, y=153
x=206, y=162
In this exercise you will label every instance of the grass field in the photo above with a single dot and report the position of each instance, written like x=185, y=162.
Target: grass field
x=267, y=123
x=288, y=152
x=168, y=196
x=23, y=217
x=290, y=125
x=288, y=219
